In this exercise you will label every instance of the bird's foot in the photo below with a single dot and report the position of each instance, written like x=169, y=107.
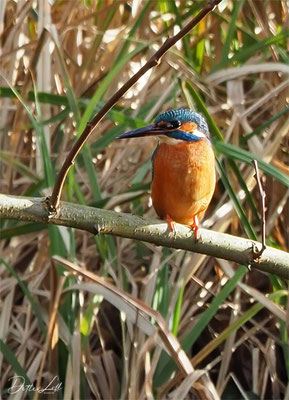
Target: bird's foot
x=171, y=223
x=195, y=227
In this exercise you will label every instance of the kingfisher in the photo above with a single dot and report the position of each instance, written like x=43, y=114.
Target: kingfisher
x=184, y=176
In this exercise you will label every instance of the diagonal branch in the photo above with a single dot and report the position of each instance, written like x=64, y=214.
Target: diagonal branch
x=99, y=221
x=91, y=125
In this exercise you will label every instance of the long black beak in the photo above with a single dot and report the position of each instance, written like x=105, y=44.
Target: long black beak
x=149, y=130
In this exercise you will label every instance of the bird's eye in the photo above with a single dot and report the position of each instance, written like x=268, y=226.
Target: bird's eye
x=175, y=124
x=169, y=124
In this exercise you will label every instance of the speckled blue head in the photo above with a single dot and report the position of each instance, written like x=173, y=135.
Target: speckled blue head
x=170, y=124
x=184, y=115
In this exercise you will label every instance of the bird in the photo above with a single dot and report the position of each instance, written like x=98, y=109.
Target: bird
x=183, y=162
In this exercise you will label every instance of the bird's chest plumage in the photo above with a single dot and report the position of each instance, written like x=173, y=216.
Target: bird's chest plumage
x=184, y=180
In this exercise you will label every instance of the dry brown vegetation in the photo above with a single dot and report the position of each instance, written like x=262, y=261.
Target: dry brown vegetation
x=57, y=324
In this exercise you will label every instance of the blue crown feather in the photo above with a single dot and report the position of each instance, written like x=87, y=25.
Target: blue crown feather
x=184, y=115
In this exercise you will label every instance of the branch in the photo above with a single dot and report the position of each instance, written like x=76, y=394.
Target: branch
x=96, y=221
x=54, y=200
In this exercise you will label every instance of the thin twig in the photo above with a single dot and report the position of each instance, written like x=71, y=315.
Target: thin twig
x=263, y=216
x=53, y=201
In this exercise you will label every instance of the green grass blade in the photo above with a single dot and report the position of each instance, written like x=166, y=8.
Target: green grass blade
x=19, y=230
x=237, y=153
x=61, y=116
x=35, y=190
x=177, y=311
x=200, y=51
x=49, y=98
x=78, y=193
x=238, y=207
x=231, y=33
x=141, y=173
x=160, y=300
x=166, y=364
x=243, y=185
x=15, y=365
x=65, y=76
x=178, y=307
x=90, y=168
x=245, y=53
x=260, y=129
x=19, y=167
x=46, y=160
x=26, y=292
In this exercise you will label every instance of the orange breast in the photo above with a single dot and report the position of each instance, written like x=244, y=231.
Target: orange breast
x=184, y=180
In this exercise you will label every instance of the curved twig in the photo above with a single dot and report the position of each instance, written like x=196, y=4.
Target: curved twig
x=263, y=208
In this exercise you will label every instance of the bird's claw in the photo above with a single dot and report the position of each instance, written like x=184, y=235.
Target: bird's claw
x=195, y=227
x=171, y=223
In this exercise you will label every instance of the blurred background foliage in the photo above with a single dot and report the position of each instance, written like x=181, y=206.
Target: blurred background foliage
x=60, y=61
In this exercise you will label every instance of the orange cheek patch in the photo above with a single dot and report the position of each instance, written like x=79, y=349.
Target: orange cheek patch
x=188, y=127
